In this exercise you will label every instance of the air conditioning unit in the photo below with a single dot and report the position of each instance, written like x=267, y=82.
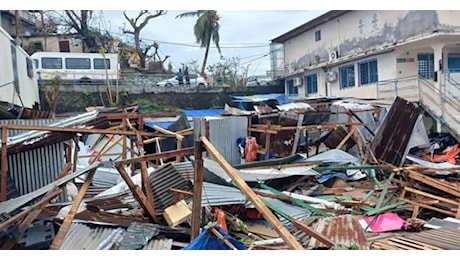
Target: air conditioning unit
x=297, y=82
x=331, y=76
x=333, y=55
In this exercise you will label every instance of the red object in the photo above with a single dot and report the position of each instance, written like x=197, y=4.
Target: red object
x=250, y=149
x=221, y=219
x=445, y=157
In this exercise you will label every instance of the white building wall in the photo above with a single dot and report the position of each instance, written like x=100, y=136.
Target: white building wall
x=28, y=87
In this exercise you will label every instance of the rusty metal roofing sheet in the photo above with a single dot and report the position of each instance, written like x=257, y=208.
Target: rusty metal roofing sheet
x=91, y=237
x=343, y=230
x=16, y=203
x=393, y=136
x=159, y=244
x=434, y=239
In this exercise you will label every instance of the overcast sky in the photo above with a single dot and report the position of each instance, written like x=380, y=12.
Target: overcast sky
x=247, y=26
x=243, y=34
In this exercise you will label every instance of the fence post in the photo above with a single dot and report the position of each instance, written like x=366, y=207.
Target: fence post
x=396, y=87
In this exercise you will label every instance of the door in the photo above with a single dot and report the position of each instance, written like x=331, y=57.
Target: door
x=64, y=46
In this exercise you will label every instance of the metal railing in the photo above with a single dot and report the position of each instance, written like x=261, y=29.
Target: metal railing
x=441, y=102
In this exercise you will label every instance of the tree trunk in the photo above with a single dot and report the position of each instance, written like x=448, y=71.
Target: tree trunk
x=205, y=59
x=139, y=49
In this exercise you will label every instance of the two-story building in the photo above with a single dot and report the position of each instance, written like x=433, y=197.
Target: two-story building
x=352, y=53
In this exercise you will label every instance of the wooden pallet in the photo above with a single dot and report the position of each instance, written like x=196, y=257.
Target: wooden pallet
x=435, y=239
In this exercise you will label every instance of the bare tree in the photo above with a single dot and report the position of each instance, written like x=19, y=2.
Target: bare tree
x=138, y=24
x=81, y=24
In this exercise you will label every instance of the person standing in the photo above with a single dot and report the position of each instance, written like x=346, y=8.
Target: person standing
x=180, y=77
x=187, y=77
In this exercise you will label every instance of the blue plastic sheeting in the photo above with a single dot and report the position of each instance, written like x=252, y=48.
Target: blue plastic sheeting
x=206, y=240
x=330, y=175
x=281, y=98
x=204, y=112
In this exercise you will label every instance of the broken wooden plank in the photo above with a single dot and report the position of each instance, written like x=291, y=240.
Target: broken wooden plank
x=146, y=186
x=72, y=212
x=222, y=238
x=52, y=193
x=156, y=156
x=137, y=193
x=297, y=134
x=198, y=177
x=256, y=201
x=4, y=191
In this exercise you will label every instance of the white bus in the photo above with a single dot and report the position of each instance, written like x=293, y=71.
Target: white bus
x=77, y=67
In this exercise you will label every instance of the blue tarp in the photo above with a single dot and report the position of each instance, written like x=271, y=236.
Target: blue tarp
x=206, y=240
x=189, y=113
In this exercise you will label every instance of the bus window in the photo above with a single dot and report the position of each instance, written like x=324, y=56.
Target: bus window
x=78, y=63
x=30, y=68
x=51, y=63
x=98, y=64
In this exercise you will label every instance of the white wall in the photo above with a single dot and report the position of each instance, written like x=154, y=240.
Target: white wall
x=28, y=87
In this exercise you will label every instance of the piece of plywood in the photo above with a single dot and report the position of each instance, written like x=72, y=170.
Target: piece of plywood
x=177, y=213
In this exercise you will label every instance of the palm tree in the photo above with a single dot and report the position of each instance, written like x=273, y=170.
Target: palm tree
x=205, y=29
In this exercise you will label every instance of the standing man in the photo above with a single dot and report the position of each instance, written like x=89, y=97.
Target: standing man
x=187, y=77
x=180, y=78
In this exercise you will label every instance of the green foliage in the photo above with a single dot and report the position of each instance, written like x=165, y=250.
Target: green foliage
x=147, y=106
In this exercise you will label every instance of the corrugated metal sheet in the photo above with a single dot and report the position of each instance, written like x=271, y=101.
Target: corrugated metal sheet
x=216, y=195
x=434, y=239
x=393, y=136
x=342, y=230
x=90, y=237
x=138, y=235
x=159, y=244
x=31, y=170
x=185, y=169
x=291, y=210
x=161, y=180
x=223, y=134
x=13, y=204
x=35, y=134
x=35, y=122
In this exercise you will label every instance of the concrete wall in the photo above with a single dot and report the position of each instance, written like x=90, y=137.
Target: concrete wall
x=74, y=99
x=51, y=43
x=360, y=31
x=26, y=87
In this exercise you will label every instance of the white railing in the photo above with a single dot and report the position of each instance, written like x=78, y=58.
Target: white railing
x=442, y=103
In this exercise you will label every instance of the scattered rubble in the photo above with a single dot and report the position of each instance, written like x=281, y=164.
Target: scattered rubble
x=312, y=174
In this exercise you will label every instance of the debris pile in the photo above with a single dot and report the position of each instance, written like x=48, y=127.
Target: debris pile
x=326, y=173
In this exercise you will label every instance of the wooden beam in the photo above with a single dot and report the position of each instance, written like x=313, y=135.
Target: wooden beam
x=252, y=196
x=222, y=238
x=313, y=233
x=52, y=193
x=446, y=187
x=345, y=139
x=4, y=169
x=163, y=155
x=283, y=166
x=78, y=130
x=72, y=212
x=197, y=182
x=183, y=192
x=137, y=193
x=297, y=134
x=146, y=186
x=167, y=132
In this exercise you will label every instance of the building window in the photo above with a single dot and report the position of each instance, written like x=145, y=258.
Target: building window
x=51, y=63
x=291, y=90
x=318, y=35
x=347, y=76
x=368, y=72
x=426, y=65
x=78, y=63
x=99, y=64
x=38, y=46
x=311, y=84
x=30, y=68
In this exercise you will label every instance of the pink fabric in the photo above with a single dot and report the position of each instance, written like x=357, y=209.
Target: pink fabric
x=386, y=222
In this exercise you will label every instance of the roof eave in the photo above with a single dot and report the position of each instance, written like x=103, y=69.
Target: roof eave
x=309, y=25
